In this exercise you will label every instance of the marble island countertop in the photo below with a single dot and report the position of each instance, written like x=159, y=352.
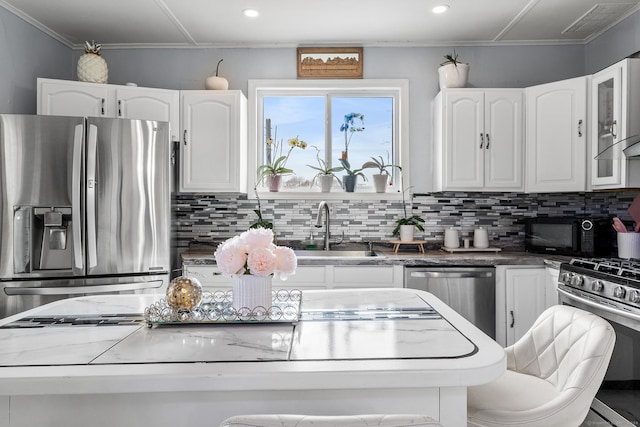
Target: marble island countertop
x=417, y=359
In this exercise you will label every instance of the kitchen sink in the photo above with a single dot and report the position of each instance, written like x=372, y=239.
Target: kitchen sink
x=337, y=254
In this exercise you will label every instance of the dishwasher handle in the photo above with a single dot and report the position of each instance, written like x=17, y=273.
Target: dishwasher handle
x=452, y=274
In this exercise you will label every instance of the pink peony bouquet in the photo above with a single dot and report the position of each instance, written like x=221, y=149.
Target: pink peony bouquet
x=253, y=252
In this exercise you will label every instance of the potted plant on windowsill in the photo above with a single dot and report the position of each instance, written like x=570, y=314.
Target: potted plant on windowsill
x=380, y=179
x=405, y=226
x=325, y=175
x=349, y=180
x=453, y=73
x=272, y=172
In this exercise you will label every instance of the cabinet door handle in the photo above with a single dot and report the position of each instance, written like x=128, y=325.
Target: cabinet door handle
x=580, y=128
x=102, y=106
x=119, y=107
x=481, y=140
x=513, y=319
x=488, y=142
x=184, y=137
x=614, y=129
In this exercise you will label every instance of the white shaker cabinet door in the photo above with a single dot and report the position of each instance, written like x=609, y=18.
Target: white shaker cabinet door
x=69, y=98
x=150, y=104
x=214, y=141
x=556, y=136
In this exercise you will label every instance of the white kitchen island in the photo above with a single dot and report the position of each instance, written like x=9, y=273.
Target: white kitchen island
x=197, y=375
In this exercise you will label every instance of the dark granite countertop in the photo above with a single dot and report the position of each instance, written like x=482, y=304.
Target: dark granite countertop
x=204, y=256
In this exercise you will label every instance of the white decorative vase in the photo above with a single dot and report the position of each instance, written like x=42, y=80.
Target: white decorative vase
x=380, y=182
x=406, y=233
x=325, y=182
x=92, y=68
x=251, y=291
x=216, y=83
x=451, y=75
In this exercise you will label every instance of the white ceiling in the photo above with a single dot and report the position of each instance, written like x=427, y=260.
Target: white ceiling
x=220, y=23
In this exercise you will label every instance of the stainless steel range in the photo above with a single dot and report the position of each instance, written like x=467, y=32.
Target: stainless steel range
x=610, y=288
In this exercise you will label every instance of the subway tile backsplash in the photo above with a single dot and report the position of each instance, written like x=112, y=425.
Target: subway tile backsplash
x=215, y=217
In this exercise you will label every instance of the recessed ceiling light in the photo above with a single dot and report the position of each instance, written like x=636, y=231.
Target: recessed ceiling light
x=251, y=13
x=440, y=8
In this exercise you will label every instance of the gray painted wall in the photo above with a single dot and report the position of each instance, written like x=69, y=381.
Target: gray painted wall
x=27, y=53
x=619, y=42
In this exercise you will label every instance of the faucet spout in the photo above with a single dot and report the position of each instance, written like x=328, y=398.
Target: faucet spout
x=324, y=207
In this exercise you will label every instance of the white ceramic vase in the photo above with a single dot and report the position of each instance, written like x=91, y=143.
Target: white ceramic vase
x=325, y=182
x=407, y=233
x=252, y=291
x=380, y=182
x=451, y=75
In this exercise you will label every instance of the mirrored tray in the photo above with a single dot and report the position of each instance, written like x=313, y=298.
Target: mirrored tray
x=216, y=307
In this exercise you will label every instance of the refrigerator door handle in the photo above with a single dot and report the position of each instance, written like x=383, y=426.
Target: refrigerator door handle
x=91, y=195
x=76, y=212
x=67, y=290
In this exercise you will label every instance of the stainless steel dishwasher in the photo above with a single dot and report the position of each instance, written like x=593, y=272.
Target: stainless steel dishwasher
x=471, y=291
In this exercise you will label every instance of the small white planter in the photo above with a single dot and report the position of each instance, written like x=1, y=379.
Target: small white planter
x=453, y=76
x=325, y=182
x=407, y=232
x=251, y=291
x=380, y=182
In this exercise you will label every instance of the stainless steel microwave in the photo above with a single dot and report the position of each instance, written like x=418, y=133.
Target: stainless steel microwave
x=569, y=236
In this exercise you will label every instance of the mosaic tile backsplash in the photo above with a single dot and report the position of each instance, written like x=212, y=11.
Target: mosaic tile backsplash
x=214, y=218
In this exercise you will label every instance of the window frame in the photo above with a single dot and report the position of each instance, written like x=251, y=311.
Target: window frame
x=398, y=89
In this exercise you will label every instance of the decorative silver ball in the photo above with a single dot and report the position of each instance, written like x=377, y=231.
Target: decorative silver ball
x=184, y=293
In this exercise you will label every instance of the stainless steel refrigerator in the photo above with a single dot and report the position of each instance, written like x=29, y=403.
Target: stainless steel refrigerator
x=84, y=208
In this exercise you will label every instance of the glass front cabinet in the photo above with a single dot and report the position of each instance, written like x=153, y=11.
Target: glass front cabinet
x=615, y=105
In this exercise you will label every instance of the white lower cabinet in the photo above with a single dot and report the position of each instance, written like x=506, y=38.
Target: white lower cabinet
x=521, y=296
x=312, y=277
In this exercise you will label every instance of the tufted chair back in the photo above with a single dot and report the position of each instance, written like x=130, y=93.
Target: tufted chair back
x=553, y=373
x=565, y=346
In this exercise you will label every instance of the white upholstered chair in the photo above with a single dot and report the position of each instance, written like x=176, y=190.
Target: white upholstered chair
x=553, y=373
x=369, y=420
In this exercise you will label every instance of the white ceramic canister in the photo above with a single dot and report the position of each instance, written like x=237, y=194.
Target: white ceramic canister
x=451, y=238
x=480, y=238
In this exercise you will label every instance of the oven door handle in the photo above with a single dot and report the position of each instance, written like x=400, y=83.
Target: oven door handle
x=67, y=290
x=602, y=307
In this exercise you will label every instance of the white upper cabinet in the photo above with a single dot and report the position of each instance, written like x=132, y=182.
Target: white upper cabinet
x=556, y=136
x=70, y=98
x=213, y=149
x=615, y=95
x=149, y=104
x=479, y=139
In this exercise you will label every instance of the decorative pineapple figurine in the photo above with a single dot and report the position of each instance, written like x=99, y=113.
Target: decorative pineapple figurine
x=91, y=66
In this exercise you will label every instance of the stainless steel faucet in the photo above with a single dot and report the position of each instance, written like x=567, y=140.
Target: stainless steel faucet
x=327, y=222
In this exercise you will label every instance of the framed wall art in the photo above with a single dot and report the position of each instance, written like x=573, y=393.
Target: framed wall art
x=329, y=62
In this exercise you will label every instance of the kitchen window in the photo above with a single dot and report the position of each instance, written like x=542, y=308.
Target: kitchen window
x=310, y=122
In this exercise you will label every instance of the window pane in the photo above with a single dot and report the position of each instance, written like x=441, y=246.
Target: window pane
x=363, y=127
x=290, y=117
